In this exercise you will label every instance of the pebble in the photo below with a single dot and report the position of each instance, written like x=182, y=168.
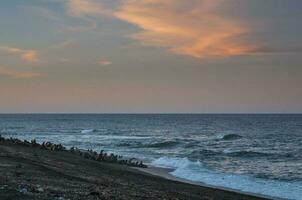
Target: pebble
x=3, y=187
x=39, y=189
x=23, y=190
x=61, y=198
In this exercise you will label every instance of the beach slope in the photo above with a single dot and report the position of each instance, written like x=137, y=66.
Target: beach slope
x=33, y=173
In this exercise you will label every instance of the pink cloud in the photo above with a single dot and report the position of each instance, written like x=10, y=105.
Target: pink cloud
x=19, y=74
x=104, y=62
x=80, y=8
x=26, y=55
x=191, y=28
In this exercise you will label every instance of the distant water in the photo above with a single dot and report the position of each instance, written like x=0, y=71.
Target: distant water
x=253, y=153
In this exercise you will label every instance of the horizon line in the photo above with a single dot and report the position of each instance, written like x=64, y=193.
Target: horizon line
x=153, y=113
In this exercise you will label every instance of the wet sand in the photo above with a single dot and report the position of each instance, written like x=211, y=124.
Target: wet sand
x=33, y=173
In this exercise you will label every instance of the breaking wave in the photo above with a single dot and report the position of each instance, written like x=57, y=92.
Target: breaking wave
x=246, y=153
x=88, y=131
x=195, y=171
x=162, y=144
x=229, y=137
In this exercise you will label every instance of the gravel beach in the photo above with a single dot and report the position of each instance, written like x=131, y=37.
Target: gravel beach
x=34, y=173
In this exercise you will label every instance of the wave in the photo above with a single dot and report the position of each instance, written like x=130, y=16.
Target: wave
x=246, y=153
x=136, y=144
x=124, y=137
x=255, y=154
x=162, y=144
x=173, y=162
x=14, y=127
x=85, y=131
x=112, y=137
x=123, y=145
x=229, y=137
x=195, y=171
x=204, y=153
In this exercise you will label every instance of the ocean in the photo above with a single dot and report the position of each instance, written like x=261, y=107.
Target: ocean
x=249, y=152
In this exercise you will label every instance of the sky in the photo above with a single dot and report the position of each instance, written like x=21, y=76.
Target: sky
x=151, y=56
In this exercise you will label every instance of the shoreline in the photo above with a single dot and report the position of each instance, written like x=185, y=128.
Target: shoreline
x=33, y=173
x=165, y=173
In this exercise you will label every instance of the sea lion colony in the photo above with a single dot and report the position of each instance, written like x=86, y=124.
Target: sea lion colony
x=89, y=154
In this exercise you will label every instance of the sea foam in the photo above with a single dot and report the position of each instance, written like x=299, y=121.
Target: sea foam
x=229, y=137
x=195, y=171
x=85, y=131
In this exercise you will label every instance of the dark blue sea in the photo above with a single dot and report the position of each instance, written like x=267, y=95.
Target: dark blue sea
x=253, y=153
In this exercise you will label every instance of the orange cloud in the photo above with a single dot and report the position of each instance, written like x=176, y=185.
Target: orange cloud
x=104, y=62
x=84, y=9
x=191, y=28
x=26, y=55
x=18, y=74
x=30, y=56
x=80, y=8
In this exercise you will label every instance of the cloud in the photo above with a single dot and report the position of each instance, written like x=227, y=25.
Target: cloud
x=88, y=25
x=196, y=28
x=104, y=62
x=191, y=28
x=30, y=56
x=63, y=44
x=80, y=8
x=26, y=55
x=65, y=60
x=19, y=74
x=85, y=10
x=270, y=50
x=42, y=12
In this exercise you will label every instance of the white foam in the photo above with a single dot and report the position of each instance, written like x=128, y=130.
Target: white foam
x=219, y=137
x=122, y=137
x=195, y=171
x=101, y=138
x=229, y=151
x=85, y=131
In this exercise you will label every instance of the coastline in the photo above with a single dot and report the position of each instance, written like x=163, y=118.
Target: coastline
x=165, y=173
x=34, y=173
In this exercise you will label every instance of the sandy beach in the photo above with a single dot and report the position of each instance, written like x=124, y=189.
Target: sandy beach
x=34, y=173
